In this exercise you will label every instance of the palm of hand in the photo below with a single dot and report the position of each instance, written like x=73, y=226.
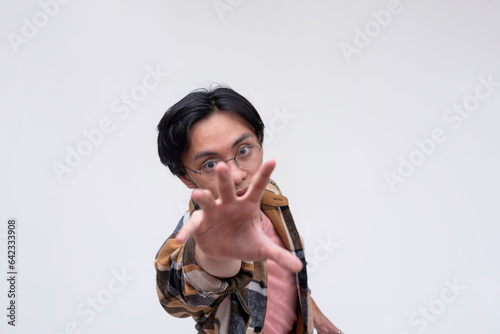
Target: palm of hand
x=232, y=230
x=231, y=227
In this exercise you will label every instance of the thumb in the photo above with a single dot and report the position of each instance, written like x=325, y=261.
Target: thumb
x=190, y=227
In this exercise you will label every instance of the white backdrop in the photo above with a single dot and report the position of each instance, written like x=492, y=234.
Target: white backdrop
x=382, y=116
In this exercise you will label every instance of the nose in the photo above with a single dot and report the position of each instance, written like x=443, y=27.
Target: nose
x=237, y=174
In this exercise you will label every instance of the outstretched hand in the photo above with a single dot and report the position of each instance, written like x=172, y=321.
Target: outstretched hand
x=230, y=227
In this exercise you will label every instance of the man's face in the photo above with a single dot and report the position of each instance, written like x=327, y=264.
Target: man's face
x=219, y=137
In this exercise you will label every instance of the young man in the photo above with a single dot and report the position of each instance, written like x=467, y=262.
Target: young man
x=235, y=262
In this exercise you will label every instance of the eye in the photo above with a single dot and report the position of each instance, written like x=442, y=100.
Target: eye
x=209, y=166
x=245, y=150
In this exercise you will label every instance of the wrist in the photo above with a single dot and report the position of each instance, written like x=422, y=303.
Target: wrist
x=217, y=266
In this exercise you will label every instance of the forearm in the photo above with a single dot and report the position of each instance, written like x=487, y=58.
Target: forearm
x=218, y=267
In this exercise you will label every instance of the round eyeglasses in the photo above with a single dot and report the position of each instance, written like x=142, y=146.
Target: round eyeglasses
x=247, y=157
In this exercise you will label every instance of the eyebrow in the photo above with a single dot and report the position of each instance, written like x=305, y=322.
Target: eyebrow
x=203, y=154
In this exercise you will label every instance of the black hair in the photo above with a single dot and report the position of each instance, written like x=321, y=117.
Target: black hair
x=173, y=128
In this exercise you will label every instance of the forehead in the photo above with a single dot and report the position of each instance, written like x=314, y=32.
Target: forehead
x=218, y=133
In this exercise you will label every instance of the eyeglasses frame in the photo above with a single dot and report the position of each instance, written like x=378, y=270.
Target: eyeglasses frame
x=225, y=161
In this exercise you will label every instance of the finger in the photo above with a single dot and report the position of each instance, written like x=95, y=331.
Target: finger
x=225, y=183
x=283, y=257
x=260, y=180
x=190, y=227
x=321, y=322
x=203, y=198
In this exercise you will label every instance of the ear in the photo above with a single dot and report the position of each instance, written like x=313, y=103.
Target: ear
x=187, y=181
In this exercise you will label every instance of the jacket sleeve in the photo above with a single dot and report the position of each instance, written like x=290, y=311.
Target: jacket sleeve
x=184, y=288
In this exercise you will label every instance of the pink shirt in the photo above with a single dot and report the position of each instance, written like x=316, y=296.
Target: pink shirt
x=281, y=312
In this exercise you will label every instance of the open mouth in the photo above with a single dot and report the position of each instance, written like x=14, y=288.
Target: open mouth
x=241, y=192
